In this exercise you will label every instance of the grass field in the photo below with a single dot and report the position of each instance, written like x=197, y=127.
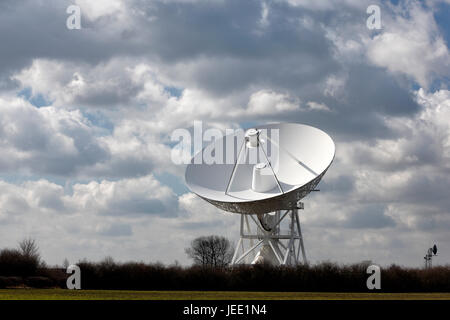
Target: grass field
x=62, y=294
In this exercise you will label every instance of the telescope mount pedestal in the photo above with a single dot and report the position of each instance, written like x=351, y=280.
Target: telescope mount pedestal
x=264, y=241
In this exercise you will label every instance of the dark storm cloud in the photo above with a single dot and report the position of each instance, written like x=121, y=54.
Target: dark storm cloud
x=370, y=93
x=108, y=97
x=373, y=89
x=231, y=48
x=50, y=200
x=285, y=54
x=342, y=184
x=140, y=206
x=119, y=167
x=229, y=29
x=116, y=230
x=369, y=216
x=234, y=52
x=34, y=30
x=425, y=188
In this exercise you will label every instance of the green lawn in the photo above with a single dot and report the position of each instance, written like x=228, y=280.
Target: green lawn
x=64, y=294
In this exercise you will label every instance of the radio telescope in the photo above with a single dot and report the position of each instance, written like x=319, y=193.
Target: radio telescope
x=429, y=256
x=262, y=175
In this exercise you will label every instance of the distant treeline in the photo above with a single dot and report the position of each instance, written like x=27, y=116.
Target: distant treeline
x=23, y=267
x=331, y=277
x=321, y=277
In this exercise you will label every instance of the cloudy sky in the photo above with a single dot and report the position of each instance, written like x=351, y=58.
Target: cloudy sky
x=86, y=117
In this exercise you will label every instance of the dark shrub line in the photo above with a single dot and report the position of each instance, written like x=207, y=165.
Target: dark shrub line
x=322, y=277
x=22, y=269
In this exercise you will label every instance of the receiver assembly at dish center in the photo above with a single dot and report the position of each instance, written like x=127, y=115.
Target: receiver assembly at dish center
x=274, y=167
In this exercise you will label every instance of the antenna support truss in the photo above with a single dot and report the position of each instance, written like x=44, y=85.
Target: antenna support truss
x=262, y=239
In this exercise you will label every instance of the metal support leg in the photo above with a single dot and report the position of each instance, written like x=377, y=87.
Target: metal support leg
x=275, y=245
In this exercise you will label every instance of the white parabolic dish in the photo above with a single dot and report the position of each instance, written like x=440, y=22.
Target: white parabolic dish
x=297, y=156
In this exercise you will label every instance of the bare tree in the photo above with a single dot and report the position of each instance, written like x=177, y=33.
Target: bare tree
x=29, y=249
x=210, y=251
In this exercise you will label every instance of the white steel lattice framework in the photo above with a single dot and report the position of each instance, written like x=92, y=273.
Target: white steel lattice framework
x=263, y=240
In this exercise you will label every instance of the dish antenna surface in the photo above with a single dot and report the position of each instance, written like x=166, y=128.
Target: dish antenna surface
x=263, y=174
